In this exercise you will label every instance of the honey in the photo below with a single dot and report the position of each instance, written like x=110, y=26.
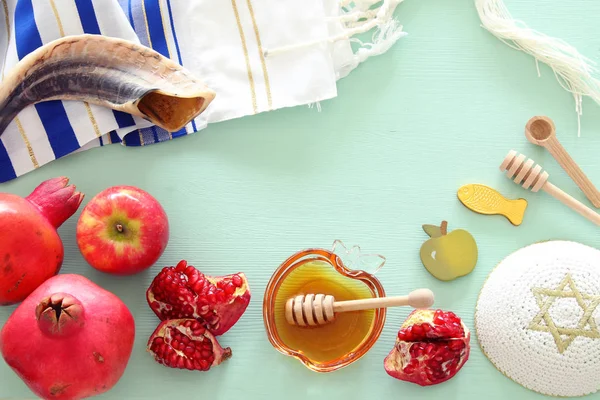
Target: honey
x=333, y=340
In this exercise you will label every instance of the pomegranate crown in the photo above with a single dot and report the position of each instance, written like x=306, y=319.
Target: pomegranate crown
x=56, y=200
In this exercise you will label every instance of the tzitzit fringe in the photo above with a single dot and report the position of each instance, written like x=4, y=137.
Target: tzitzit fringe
x=357, y=17
x=574, y=72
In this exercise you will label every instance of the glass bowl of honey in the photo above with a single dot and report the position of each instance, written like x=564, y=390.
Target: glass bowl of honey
x=341, y=273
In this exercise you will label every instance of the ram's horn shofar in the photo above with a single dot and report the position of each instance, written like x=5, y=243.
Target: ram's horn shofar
x=110, y=72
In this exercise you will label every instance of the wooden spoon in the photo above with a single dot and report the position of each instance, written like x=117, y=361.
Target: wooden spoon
x=541, y=131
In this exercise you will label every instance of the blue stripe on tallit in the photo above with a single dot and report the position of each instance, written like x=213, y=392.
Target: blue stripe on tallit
x=89, y=22
x=137, y=21
x=132, y=139
x=154, y=133
x=114, y=138
x=155, y=27
x=123, y=119
x=52, y=113
x=87, y=16
x=129, y=13
x=7, y=171
x=173, y=31
x=156, y=31
x=178, y=53
x=179, y=133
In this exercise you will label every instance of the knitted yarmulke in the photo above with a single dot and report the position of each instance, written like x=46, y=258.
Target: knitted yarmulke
x=537, y=318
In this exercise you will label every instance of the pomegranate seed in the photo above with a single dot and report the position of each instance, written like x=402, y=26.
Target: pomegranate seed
x=230, y=289
x=196, y=325
x=456, y=345
x=221, y=296
x=189, y=351
x=418, y=331
x=237, y=280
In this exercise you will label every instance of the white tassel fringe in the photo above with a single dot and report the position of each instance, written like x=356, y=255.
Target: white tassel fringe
x=357, y=17
x=573, y=71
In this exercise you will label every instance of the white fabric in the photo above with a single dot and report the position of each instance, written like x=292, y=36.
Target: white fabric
x=515, y=337
x=258, y=55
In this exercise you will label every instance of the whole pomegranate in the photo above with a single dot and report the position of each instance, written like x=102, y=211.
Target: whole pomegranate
x=184, y=292
x=30, y=249
x=186, y=344
x=69, y=339
x=432, y=346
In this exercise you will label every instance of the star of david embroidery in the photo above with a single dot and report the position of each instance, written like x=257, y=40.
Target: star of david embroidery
x=563, y=337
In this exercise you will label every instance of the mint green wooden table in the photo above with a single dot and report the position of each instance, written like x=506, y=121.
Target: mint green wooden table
x=441, y=109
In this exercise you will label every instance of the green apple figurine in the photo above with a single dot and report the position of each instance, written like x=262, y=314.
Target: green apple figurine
x=448, y=255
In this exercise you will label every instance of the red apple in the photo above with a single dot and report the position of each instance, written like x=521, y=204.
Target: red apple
x=122, y=230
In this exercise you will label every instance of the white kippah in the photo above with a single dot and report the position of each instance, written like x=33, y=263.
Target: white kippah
x=537, y=318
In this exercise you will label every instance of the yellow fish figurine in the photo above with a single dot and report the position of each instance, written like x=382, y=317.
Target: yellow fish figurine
x=485, y=200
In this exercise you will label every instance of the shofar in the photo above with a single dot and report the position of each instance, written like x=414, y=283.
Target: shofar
x=109, y=72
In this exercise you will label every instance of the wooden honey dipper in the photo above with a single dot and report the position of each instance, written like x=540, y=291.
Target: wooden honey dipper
x=533, y=177
x=319, y=309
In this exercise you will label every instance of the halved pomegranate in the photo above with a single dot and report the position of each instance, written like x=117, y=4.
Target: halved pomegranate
x=432, y=346
x=185, y=292
x=186, y=344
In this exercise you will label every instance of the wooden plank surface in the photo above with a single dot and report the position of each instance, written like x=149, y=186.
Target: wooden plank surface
x=440, y=110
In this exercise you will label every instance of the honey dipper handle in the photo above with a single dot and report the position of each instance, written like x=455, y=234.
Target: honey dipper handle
x=420, y=298
x=571, y=167
x=571, y=202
